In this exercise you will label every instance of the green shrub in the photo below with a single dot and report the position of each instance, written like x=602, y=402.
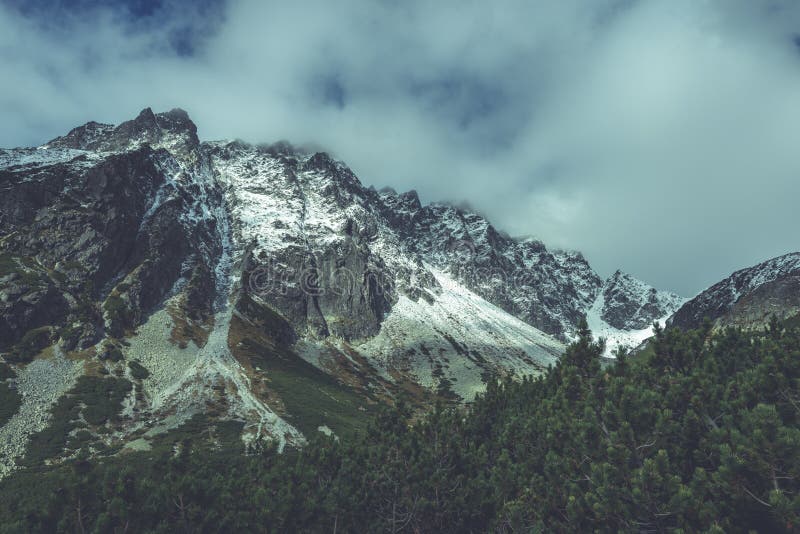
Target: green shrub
x=31, y=344
x=70, y=335
x=98, y=400
x=6, y=372
x=138, y=371
x=118, y=314
x=10, y=401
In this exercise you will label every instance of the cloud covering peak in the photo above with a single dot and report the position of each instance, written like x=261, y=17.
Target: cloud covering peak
x=655, y=136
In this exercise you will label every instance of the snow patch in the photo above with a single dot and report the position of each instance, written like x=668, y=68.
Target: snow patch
x=463, y=333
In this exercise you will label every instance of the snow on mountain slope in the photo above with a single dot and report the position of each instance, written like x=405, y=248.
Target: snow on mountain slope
x=458, y=337
x=615, y=337
x=630, y=304
x=281, y=201
x=38, y=157
x=626, y=308
x=748, y=297
x=225, y=269
x=294, y=210
x=172, y=131
x=549, y=290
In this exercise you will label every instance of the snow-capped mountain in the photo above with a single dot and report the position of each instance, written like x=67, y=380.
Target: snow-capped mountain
x=264, y=285
x=747, y=298
x=626, y=308
x=550, y=290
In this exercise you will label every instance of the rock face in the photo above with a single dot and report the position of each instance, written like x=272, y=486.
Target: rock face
x=625, y=310
x=313, y=246
x=173, y=130
x=630, y=304
x=238, y=274
x=550, y=290
x=121, y=222
x=748, y=298
x=342, y=267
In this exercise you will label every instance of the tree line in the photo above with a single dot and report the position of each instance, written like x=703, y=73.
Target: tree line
x=699, y=432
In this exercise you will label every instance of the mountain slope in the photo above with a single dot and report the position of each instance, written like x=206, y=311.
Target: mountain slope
x=626, y=308
x=262, y=285
x=322, y=252
x=97, y=242
x=550, y=290
x=747, y=298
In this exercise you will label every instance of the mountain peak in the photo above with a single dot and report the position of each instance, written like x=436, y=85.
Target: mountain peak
x=172, y=129
x=321, y=161
x=146, y=116
x=629, y=303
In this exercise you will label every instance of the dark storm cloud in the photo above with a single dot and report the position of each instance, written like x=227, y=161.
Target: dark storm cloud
x=656, y=136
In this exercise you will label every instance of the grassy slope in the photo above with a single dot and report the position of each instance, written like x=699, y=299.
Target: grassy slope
x=310, y=397
x=10, y=399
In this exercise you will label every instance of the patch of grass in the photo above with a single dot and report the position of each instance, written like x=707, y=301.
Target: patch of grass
x=10, y=401
x=313, y=401
x=123, y=287
x=8, y=264
x=111, y=352
x=6, y=372
x=70, y=334
x=87, y=311
x=185, y=329
x=118, y=313
x=103, y=399
x=310, y=397
x=58, y=276
x=22, y=266
x=72, y=265
x=31, y=344
x=98, y=400
x=138, y=371
x=793, y=321
x=202, y=431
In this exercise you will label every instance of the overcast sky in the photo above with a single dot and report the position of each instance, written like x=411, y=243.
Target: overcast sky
x=659, y=137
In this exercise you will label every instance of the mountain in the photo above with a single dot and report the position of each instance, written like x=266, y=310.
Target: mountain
x=150, y=281
x=626, y=308
x=747, y=298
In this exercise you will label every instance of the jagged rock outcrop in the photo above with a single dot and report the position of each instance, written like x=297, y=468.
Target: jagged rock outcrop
x=312, y=240
x=630, y=304
x=103, y=223
x=172, y=130
x=625, y=309
x=550, y=290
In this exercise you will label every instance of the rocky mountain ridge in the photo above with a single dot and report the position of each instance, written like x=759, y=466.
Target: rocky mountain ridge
x=748, y=298
x=257, y=284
